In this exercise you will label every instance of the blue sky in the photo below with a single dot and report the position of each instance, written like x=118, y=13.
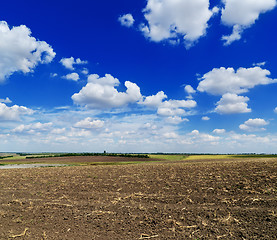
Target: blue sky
x=138, y=76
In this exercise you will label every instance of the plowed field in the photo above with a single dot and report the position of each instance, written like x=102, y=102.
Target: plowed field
x=215, y=199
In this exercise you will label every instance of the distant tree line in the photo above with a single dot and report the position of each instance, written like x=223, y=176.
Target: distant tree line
x=133, y=155
x=2, y=157
x=256, y=155
x=91, y=154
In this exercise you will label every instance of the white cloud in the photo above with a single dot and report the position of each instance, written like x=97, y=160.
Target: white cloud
x=101, y=93
x=275, y=110
x=13, y=113
x=88, y=123
x=194, y=132
x=7, y=100
x=171, y=111
x=215, y=10
x=149, y=126
x=126, y=20
x=205, y=118
x=139, y=133
x=107, y=80
x=254, y=142
x=260, y=64
x=170, y=135
x=79, y=133
x=252, y=125
x=184, y=20
x=72, y=76
x=203, y=137
x=53, y=75
x=179, y=104
x=69, y=62
x=176, y=120
x=226, y=80
x=79, y=61
x=169, y=107
x=242, y=14
x=85, y=71
x=62, y=108
x=19, y=51
x=189, y=89
x=154, y=100
x=232, y=103
x=229, y=83
x=175, y=107
x=235, y=36
x=208, y=138
x=33, y=128
x=219, y=131
x=58, y=131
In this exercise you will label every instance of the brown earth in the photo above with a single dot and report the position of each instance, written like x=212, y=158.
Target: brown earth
x=234, y=199
x=79, y=159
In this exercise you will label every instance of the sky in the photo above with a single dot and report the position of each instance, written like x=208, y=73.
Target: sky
x=175, y=76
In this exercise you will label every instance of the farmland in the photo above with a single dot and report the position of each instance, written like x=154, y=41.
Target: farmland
x=161, y=197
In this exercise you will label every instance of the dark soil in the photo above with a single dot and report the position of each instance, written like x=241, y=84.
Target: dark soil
x=234, y=199
x=79, y=159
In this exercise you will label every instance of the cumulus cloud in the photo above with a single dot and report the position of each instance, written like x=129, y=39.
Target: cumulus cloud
x=102, y=93
x=170, y=135
x=229, y=83
x=203, y=137
x=175, y=107
x=252, y=125
x=108, y=80
x=205, y=118
x=20, y=52
x=85, y=71
x=275, y=110
x=219, y=131
x=234, y=36
x=169, y=107
x=6, y=100
x=58, y=131
x=126, y=20
x=176, y=120
x=149, y=126
x=176, y=21
x=13, y=113
x=252, y=140
x=242, y=14
x=232, y=103
x=226, y=80
x=194, y=132
x=72, y=76
x=89, y=123
x=189, y=89
x=79, y=133
x=69, y=62
x=33, y=128
x=154, y=100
